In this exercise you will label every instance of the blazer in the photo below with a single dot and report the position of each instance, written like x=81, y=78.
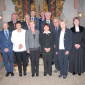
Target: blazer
x=37, y=23
x=51, y=26
x=40, y=22
x=59, y=28
x=11, y=26
x=67, y=40
x=24, y=25
x=47, y=41
x=31, y=42
x=4, y=42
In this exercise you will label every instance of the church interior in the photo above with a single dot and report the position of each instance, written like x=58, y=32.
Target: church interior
x=62, y=9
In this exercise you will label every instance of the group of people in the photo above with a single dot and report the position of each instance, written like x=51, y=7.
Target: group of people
x=49, y=37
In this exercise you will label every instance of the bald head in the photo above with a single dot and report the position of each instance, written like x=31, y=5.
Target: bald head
x=5, y=26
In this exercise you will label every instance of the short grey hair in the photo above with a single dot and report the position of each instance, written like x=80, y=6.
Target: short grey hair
x=56, y=18
x=47, y=12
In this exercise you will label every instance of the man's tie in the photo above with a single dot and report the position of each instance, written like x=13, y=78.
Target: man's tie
x=56, y=29
x=32, y=18
x=6, y=34
x=14, y=24
x=28, y=26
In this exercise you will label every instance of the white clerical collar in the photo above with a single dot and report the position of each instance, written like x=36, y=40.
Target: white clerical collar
x=77, y=29
x=46, y=32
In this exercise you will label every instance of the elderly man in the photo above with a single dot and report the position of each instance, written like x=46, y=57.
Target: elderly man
x=42, y=18
x=33, y=13
x=49, y=21
x=12, y=27
x=13, y=21
x=25, y=24
x=57, y=28
x=6, y=49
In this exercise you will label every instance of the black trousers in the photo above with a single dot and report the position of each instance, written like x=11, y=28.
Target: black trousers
x=47, y=64
x=15, y=59
x=21, y=58
x=56, y=61
x=34, y=56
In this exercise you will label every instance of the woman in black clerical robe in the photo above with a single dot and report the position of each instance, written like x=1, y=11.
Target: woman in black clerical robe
x=76, y=63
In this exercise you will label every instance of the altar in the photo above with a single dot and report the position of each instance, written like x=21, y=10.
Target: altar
x=23, y=7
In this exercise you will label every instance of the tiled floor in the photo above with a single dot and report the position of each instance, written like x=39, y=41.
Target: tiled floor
x=41, y=80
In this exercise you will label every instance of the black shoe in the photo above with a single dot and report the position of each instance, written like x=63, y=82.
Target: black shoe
x=50, y=74
x=37, y=74
x=7, y=74
x=73, y=73
x=64, y=77
x=52, y=63
x=60, y=76
x=45, y=74
x=33, y=75
x=20, y=75
x=12, y=74
x=25, y=74
x=79, y=74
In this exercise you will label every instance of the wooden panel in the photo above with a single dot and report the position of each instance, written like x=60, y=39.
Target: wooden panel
x=75, y=4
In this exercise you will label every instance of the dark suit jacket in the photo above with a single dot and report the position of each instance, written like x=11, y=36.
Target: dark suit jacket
x=24, y=25
x=56, y=33
x=11, y=26
x=37, y=23
x=47, y=41
x=4, y=43
x=40, y=22
x=51, y=26
x=67, y=40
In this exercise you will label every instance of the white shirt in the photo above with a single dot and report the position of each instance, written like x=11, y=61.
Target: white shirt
x=17, y=39
x=61, y=41
x=32, y=18
x=48, y=21
x=77, y=29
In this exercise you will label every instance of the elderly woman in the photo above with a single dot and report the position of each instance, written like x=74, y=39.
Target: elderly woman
x=33, y=47
x=47, y=46
x=18, y=40
x=63, y=47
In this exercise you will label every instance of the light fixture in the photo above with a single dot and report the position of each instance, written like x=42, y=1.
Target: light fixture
x=0, y=17
x=79, y=14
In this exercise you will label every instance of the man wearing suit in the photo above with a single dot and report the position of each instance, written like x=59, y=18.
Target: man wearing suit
x=6, y=49
x=12, y=26
x=42, y=14
x=25, y=24
x=13, y=21
x=63, y=47
x=57, y=28
x=35, y=19
x=48, y=21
